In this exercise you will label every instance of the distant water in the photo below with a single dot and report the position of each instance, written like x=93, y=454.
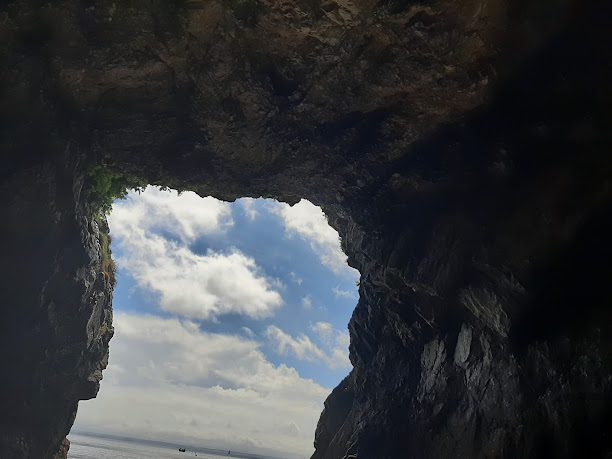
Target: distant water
x=86, y=447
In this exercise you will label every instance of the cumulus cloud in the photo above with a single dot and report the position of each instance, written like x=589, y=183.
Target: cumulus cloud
x=248, y=207
x=184, y=215
x=193, y=285
x=334, y=339
x=339, y=293
x=169, y=380
x=303, y=348
x=200, y=286
x=323, y=330
x=309, y=222
x=343, y=339
x=247, y=331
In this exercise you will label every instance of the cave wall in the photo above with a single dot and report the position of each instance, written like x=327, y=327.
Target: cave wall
x=461, y=149
x=492, y=300
x=57, y=316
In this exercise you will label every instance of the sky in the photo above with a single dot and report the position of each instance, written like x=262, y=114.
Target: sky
x=230, y=323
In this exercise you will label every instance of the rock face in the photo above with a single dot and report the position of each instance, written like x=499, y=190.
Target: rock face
x=461, y=149
x=57, y=318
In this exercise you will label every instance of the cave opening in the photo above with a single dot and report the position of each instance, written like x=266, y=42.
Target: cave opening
x=461, y=149
x=230, y=325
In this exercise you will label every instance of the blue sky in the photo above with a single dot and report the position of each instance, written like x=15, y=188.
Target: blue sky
x=237, y=311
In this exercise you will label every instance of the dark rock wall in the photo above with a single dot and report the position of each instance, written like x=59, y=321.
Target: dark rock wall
x=492, y=296
x=460, y=148
x=57, y=316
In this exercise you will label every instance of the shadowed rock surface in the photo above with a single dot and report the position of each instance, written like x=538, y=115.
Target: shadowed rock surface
x=461, y=149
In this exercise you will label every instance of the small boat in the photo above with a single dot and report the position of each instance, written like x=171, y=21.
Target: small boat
x=181, y=450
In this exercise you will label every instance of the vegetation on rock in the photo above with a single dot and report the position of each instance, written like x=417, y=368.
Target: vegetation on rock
x=104, y=186
x=107, y=184
x=108, y=264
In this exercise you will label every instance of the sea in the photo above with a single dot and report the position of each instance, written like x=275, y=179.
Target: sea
x=83, y=446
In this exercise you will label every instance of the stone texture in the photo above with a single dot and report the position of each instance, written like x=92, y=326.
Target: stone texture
x=63, y=451
x=461, y=149
x=57, y=313
x=464, y=342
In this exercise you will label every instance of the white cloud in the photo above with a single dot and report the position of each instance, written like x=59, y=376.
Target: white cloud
x=323, y=330
x=295, y=278
x=171, y=381
x=307, y=302
x=248, y=207
x=189, y=284
x=184, y=215
x=303, y=348
x=343, y=339
x=277, y=283
x=338, y=341
x=309, y=222
x=339, y=293
x=200, y=286
x=247, y=331
x=292, y=429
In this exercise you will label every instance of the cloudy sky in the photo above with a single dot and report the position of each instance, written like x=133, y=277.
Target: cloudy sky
x=230, y=323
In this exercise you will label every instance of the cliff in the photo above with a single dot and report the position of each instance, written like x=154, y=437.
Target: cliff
x=461, y=149
x=57, y=316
